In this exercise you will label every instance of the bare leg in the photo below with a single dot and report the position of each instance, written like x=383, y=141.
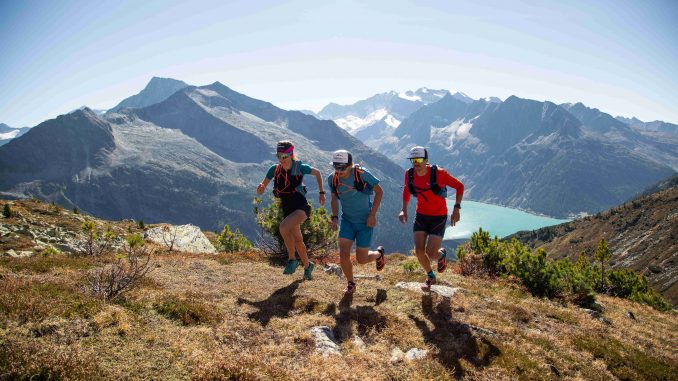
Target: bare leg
x=365, y=255
x=287, y=231
x=345, y=245
x=420, y=250
x=299, y=244
x=433, y=245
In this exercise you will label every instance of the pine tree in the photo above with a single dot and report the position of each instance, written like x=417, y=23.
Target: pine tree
x=601, y=255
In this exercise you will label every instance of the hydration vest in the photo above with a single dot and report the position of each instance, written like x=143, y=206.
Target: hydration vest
x=358, y=183
x=284, y=183
x=434, y=187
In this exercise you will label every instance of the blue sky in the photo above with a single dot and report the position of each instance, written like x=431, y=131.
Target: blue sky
x=619, y=56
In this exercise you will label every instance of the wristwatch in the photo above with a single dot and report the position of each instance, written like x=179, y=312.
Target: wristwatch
x=321, y=192
x=458, y=206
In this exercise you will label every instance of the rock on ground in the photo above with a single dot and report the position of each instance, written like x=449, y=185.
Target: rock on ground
x=444, y=291
x=324, y=340
x=187, y=238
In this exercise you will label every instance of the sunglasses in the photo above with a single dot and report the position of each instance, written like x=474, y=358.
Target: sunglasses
x=340, y=168
x=283, y=156
x=418, y=160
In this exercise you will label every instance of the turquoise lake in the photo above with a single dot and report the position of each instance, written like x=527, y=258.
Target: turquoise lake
x=497, y=220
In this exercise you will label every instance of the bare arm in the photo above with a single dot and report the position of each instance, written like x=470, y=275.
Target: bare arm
x=372, y=217
x=378, y=194
x=334, y=204
x=406, y=201
x=315, y=172
x=262, y=186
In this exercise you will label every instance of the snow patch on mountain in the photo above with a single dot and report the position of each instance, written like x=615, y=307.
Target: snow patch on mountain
x=352, y=124
x=9, y=135
x=410, y=96
x=446, y=136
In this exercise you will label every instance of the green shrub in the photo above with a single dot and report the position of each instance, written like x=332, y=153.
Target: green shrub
x=494, y=259
x=480, y=241
x=318, y=236
x=7, y=211
x=652, y=298
x=230, y=241
x=411, y=266
x=625, y=282
x=49, y=251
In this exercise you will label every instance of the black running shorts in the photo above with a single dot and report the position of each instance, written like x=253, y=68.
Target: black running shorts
x=432, y=225
x=294, y=201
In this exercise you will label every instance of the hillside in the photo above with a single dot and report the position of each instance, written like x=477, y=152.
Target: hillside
x=642, y=234
x=210, y=317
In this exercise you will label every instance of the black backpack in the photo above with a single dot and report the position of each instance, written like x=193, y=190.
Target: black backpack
x=435, y=188
x=358, y=183
x=283, y=183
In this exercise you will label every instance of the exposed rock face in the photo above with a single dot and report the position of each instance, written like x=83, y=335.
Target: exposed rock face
x=187, y=238
x=642, y=234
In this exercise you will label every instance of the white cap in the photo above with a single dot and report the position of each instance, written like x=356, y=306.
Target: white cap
x=342, y=157
x=417, y=152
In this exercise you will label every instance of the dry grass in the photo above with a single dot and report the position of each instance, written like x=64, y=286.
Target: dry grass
x=237, y=317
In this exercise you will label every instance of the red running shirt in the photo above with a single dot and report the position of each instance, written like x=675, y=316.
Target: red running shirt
x=428, y=203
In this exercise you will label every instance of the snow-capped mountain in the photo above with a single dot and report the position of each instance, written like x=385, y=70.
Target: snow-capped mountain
x=8, y=133
x=375, y=119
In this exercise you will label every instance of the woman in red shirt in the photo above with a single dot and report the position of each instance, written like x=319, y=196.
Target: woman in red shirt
x=428, y=184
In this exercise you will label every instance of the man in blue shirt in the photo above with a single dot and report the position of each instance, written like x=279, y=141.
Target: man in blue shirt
x=352, y=185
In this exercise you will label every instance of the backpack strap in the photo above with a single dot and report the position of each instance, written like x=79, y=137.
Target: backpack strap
x=335, y=184
x=410, y=182
x=435, y=188
x=358, y=182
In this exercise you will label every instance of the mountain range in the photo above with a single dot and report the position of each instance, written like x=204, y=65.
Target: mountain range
x=559, y=160
x=181, y=153
x=656, y=126
x=195, y=157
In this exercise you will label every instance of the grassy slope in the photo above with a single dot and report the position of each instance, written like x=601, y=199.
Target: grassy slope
x=236, y=315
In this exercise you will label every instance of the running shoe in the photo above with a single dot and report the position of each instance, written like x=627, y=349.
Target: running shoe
x=291, y=267
x=350, y=288
x=430, y=281
x=381, y=261
x=442, y=260
x=308, y=270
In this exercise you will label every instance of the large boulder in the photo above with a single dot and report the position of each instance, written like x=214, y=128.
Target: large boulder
x=185, y=237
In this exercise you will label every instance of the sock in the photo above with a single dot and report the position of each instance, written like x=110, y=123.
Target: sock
x=431, y=274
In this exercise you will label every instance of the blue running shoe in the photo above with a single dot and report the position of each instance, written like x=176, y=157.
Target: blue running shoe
x=291, y=267
x=308, y=270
